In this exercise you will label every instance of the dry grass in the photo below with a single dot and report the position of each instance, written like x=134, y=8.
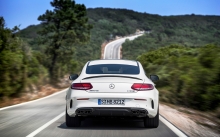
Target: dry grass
x=43, y=91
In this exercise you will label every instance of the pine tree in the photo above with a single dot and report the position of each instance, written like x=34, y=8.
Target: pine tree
x=63, y=27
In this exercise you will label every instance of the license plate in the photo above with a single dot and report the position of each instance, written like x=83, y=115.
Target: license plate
x=111, y=101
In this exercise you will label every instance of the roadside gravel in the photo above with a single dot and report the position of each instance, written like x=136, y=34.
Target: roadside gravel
x=188, y=122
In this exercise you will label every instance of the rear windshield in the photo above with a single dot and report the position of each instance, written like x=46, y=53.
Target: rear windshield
x=112, y=69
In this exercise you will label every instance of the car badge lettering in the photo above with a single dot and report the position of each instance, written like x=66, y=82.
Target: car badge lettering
x=130, y=90
x=111, y=86
x=94, y=90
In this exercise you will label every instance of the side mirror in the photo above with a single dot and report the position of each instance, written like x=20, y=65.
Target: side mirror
x=73, y=76
x=154, y=78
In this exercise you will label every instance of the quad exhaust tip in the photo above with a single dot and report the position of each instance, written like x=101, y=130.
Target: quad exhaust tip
x=84, y=112
x=139, y=112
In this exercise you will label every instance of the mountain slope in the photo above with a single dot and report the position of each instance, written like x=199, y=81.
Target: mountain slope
x=189, y=30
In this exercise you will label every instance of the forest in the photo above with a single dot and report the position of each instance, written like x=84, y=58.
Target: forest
x=184, y=51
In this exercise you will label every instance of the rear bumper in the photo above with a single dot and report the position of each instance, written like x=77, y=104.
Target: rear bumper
x=73, y=104
x=111, y=111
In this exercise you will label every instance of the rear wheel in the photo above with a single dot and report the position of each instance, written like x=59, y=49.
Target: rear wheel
x=152, y=122
x=72, y=121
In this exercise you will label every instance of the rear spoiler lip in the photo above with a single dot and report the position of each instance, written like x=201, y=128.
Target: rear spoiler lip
x=111, y=76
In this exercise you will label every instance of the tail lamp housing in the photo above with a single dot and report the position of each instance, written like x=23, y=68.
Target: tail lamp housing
x=142, y=86
x=81, y=86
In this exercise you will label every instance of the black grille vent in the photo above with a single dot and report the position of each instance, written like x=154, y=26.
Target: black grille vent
x=152, y=104
x=71, y=103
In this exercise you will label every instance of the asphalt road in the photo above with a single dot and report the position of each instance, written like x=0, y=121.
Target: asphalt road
x=22, y=120
x=45, y=118
x=112, y=49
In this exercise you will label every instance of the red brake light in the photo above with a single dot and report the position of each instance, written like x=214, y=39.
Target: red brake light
x=142, y=87
x=81, y=86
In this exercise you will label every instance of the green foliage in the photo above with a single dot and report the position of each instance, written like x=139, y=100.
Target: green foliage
x=11, y=74
x=19, y=68
x=187, y=30
x=30, y=32
x=64, y=26
x=189, y=76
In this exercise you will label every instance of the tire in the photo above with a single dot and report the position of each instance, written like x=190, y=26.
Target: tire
x=72, y=121
x=152, y=122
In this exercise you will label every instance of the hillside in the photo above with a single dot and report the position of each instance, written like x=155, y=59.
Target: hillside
x=190, y=30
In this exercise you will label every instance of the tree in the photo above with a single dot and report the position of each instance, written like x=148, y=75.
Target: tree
x=10, y=61
x=19, y=67
x=63, y=27
x=5, y=35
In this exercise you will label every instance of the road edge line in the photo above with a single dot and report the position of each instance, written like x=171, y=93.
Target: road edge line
x=105, y=50
x=176, y=130
x=33, y=100
x=45, y=125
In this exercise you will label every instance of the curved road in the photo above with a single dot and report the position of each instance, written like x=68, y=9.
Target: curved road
x=45, y=118
x=112, y=49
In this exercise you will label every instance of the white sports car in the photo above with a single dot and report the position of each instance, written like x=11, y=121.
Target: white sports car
x=112, y=88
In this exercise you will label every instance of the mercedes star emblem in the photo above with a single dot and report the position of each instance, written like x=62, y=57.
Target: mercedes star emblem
x=111, y=86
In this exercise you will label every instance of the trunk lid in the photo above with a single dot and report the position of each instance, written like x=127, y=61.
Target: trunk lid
x=112, y=84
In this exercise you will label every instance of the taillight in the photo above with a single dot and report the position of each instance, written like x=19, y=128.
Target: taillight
x=81, y=86
x=142, y=86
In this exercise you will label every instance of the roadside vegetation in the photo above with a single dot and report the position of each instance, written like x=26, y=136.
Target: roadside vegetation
x=188, y=76
x=24, y=68
x=184, y=52
x=20, y=66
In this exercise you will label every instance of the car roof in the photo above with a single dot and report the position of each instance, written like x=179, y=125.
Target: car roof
x=113, y=61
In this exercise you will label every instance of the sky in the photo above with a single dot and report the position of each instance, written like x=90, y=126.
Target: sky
x=26, y=12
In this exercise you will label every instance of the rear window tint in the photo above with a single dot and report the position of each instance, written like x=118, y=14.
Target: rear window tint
x=112, y=69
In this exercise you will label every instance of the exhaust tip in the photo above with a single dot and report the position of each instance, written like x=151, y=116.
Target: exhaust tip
x=84, y=112
x=139, y=112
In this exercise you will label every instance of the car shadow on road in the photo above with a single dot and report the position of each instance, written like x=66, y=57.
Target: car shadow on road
x=108, y=124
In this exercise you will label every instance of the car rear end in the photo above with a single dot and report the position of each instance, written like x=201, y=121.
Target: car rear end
x=112, y=88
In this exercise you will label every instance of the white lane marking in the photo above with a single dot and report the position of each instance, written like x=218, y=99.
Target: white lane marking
x=119, y=51
x=106, y=49
x=172, y=127
x=33, y=100
x=45, y=125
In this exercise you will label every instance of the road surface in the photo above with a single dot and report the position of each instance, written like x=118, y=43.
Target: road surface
x=112, y=49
